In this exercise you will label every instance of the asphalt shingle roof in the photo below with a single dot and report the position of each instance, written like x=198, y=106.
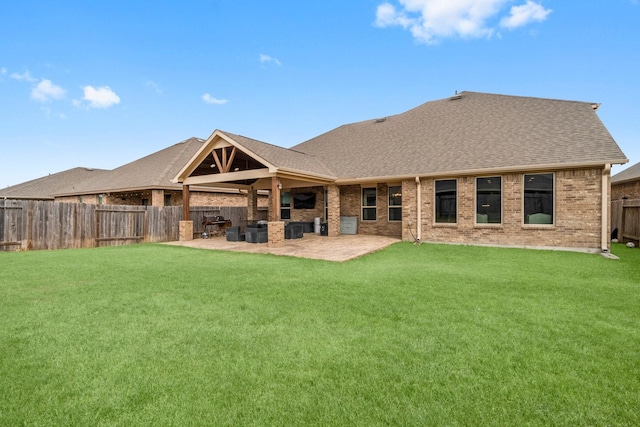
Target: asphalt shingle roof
x=154, y=171
x=45, y=187
x=470, y=132
x=629, y=174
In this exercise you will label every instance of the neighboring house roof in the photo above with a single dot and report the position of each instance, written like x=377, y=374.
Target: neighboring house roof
x=468, y=133
x=45, y=187
x=150, y=172
x=630, y=174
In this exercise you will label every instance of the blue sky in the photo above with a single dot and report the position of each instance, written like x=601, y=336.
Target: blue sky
x=102, y=83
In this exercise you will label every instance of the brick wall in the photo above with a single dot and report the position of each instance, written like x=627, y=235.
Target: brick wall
x=409, y=210
x=630, y=190
x=308, y=215
x=351, y=205
x=577, y=214
x=197, y=198
x=219, y=199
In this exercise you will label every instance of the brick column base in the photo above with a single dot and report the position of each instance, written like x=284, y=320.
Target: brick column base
x=276, y=234
x=186, y=230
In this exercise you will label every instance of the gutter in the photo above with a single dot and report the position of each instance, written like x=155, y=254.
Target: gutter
x=418, y=211
x=604, y=240
x=480, y=172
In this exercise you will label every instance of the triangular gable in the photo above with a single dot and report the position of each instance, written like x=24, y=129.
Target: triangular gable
x=242, y=162
x=222, y=159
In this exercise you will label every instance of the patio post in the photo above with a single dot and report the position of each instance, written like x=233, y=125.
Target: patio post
x=186, y=225
x=333, y=203
x=276, y=186
x=186, y=208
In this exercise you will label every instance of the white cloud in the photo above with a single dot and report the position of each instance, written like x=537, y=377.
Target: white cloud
x=266, y=59
x=525, y=14
x=432, y=20
x=46, y=91
x=211, y=100
x=101, y=97
x=26, y=76
x=3, y=71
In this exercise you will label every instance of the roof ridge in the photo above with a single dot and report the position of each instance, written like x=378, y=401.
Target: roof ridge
x=161, y=177
x=520, y=96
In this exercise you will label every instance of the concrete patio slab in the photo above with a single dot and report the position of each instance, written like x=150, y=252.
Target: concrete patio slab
x=341, y=248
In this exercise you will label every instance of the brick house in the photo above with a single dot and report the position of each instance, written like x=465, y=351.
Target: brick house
x=475, y=168
x=146, y=181
x=626, y=184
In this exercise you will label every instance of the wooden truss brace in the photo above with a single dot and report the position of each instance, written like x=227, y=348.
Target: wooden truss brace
x=224, y=166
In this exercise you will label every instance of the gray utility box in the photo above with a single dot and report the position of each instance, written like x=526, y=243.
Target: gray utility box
x=348, y=224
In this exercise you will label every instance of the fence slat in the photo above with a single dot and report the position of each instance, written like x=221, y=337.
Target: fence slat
x=37, y=224
x=41, y=224
x=625, y=217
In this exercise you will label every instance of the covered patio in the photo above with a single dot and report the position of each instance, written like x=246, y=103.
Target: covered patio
x=340, y=248
x=250, y=166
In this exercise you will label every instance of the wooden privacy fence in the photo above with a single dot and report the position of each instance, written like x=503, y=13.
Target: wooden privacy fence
x=625, y=218
x=36, y=224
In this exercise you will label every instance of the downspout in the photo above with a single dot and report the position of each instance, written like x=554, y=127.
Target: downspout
x=418, y=211
x=605, y=208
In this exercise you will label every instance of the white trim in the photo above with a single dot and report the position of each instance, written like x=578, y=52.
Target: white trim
x=481, y=172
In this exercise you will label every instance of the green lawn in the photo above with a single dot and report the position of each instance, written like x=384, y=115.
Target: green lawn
x=412, y=335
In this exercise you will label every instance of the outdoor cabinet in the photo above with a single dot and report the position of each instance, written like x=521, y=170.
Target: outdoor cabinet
x=348, y=224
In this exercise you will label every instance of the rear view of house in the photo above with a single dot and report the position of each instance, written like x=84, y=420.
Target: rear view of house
x=475, y=168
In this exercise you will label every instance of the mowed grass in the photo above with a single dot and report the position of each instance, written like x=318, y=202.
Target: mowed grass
x=412, y=335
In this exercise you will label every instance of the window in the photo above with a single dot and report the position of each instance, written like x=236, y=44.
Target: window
x=538, y=198
x=369, y=210
x=395, y=203
x=489, y=200
x=446, y=201
x=167, y=199
x=285, y=205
